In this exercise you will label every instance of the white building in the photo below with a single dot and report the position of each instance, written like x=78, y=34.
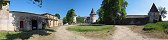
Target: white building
x=92, y=18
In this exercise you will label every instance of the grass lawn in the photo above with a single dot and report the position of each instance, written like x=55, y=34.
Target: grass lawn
x=34, y=35
x=93, y=31
x=159, y=26
x=4, y=35
x=149, y=33
x=90, y=28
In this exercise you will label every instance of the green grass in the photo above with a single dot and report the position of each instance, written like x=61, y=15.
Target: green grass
x=90, y=28
x=157, y=26
x=25, y=35
x=3, y=35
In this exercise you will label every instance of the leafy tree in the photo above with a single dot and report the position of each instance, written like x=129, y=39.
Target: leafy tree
x=100, y=13
x=3, y=3
x=57, y=15
x=37, y=2
x=113, y=11
x=64, y=20
x=70, y=15
x=80, y=19
x=162, y=11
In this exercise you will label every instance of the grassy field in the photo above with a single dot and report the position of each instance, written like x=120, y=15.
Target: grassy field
x=149, y=33
x=4, y=35
x=90, y=28
x=93, y=31
x=34, y=35
x=160, y=26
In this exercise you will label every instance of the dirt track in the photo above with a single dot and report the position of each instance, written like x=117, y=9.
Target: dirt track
x=63, y=34
x=121, y=33
x=124, y=33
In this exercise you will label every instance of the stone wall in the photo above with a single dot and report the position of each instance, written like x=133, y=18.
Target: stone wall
x=5, y=19
x=27, y=20
x=52, y=21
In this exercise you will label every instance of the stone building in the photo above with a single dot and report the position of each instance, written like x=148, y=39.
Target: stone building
x=92, y=18
x=31, y=21
x=25, y=21
x=152, y=17
x=153, y=14
x=52, y=20
x=74, y=19
x=4, y=15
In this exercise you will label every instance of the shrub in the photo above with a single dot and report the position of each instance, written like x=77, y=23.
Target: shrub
x=157, y=26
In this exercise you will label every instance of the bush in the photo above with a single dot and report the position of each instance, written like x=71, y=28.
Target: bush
x=157, y=26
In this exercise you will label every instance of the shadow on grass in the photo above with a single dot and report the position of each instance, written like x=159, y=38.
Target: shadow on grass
x=92, y=25
x=26, y=35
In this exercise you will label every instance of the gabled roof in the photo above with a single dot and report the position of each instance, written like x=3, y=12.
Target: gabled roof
x=153, y=8
x=136, y=16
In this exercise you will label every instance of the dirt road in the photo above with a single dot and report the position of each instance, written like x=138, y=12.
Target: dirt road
x=63, y=34
x=121, y=33
x=124, y=33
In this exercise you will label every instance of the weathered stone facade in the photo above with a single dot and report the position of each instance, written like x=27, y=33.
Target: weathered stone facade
x=52, y=21
x=25, y=21
x=92, y=18
x=152, y=17
x=153, y=14
x=4, y=16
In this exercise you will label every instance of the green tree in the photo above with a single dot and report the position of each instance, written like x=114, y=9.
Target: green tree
x=57, y=15
x=113, y=11
x=100, y=13
x=3, y=3
x=70, y=15
x=37, y=2
x=162, y=12
x=80, y=19
x=64, y=20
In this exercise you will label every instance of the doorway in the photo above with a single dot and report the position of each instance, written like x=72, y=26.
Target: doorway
x=34, y=25
x=21, y=24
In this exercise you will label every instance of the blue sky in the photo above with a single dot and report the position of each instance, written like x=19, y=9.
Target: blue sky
x=82, y=7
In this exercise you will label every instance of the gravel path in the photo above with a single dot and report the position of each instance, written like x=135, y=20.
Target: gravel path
x=63, y=34
x=124, y=33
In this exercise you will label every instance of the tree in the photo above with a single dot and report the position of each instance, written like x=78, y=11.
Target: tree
x=37, y=2
x=80, y=19
x=3, y=3
x=113, y=11
x=100, y=13
x=162, y=11
x=64, y=20
x=70, y=15
x=57, y=15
